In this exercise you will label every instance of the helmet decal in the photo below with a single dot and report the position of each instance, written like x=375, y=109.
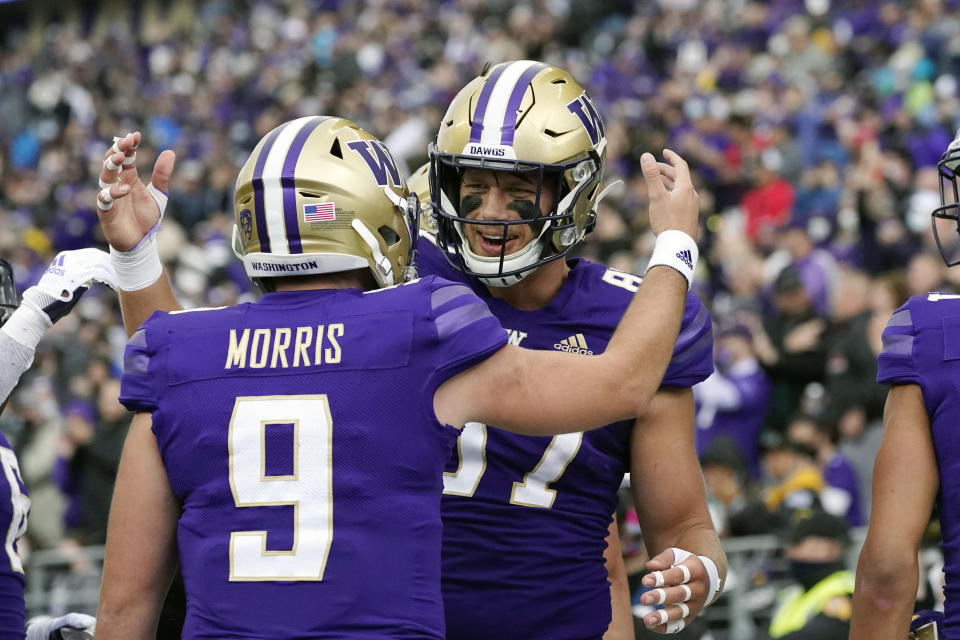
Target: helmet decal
x=246, y=223
x=584, y=109
x=381, y=165
x=495, y=118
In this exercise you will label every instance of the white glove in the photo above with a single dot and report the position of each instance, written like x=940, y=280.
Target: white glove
x=73, y=626
x=60, y=288
x=66, y=279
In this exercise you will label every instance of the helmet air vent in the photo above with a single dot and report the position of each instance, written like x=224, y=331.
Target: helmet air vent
x=391, y=236
x=335, y=149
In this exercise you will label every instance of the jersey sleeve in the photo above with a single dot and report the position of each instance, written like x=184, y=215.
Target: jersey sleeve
x=144, y=374
x=15, y=358
x=692, y=359
x=896, y=363
x=462, y=330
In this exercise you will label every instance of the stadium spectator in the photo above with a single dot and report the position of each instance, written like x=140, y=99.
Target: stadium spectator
x=734, y=400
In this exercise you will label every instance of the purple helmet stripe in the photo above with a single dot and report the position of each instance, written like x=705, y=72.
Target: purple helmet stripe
x=516, y=97
x=476, y=130
x=291, y=218
x=257, y=182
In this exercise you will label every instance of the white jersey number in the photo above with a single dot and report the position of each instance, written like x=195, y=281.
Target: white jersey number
x=622, y=279
x=20, y=504
x=308, y=489
x=534, y=490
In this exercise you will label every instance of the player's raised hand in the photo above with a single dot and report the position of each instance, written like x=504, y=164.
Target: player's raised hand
x=683, y=588
x=129, y=209
x=674, y=203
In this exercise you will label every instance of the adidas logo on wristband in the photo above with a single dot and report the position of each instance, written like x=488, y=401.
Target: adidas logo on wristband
x=686, y=257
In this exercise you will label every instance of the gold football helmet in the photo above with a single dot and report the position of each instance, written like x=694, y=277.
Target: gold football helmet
x=520, y=117
x=321, y=195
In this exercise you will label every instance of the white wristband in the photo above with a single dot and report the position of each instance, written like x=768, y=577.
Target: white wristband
x=27, y=325
x=714, y=576
x=138, y=268
x=676, y=250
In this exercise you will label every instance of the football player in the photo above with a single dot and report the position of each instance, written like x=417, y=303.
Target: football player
x=515, y=181
x=21, y=328
x=291, y=451
x=916, y=465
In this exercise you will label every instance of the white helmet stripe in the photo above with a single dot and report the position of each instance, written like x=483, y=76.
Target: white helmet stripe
x=272, y=188
x=496, y=111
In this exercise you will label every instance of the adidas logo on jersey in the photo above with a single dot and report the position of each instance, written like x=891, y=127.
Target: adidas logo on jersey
x=574, y=344
x=686, y=257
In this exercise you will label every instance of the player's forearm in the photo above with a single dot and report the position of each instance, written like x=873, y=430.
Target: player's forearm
x=133, y=622
x=640, y=350
x=621, y=623
x=136, y=306
x=885, y=595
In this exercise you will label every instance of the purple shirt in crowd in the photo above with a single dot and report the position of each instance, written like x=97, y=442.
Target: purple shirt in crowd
x=840, y=477
x=525, y=518
x=300, y=437
x=734, y=404
x=921, y=346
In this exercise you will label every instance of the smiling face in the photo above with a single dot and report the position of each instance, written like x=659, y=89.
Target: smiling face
x=497, y=195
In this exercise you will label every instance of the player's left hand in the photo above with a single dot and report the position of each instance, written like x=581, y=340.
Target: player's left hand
x=73, y=626
x=66, y=279
x=682, y=588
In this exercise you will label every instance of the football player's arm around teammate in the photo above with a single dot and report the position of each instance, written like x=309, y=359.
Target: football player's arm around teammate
x=617, y=384
x=130, y=214
x=671, y=506
x=905, y=483
x=141, y=540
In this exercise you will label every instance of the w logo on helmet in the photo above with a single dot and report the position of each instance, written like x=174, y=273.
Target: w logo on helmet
x=584, y=109
x=378, y=159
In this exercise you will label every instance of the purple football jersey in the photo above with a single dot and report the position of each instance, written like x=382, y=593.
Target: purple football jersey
x=300, y=437
x=921, y=345
x=14, y=508
x=525, y=518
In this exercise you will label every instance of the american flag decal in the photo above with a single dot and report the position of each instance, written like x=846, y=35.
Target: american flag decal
x=319, y=212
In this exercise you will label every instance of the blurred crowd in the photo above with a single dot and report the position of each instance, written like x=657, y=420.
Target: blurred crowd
x=814, y=128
